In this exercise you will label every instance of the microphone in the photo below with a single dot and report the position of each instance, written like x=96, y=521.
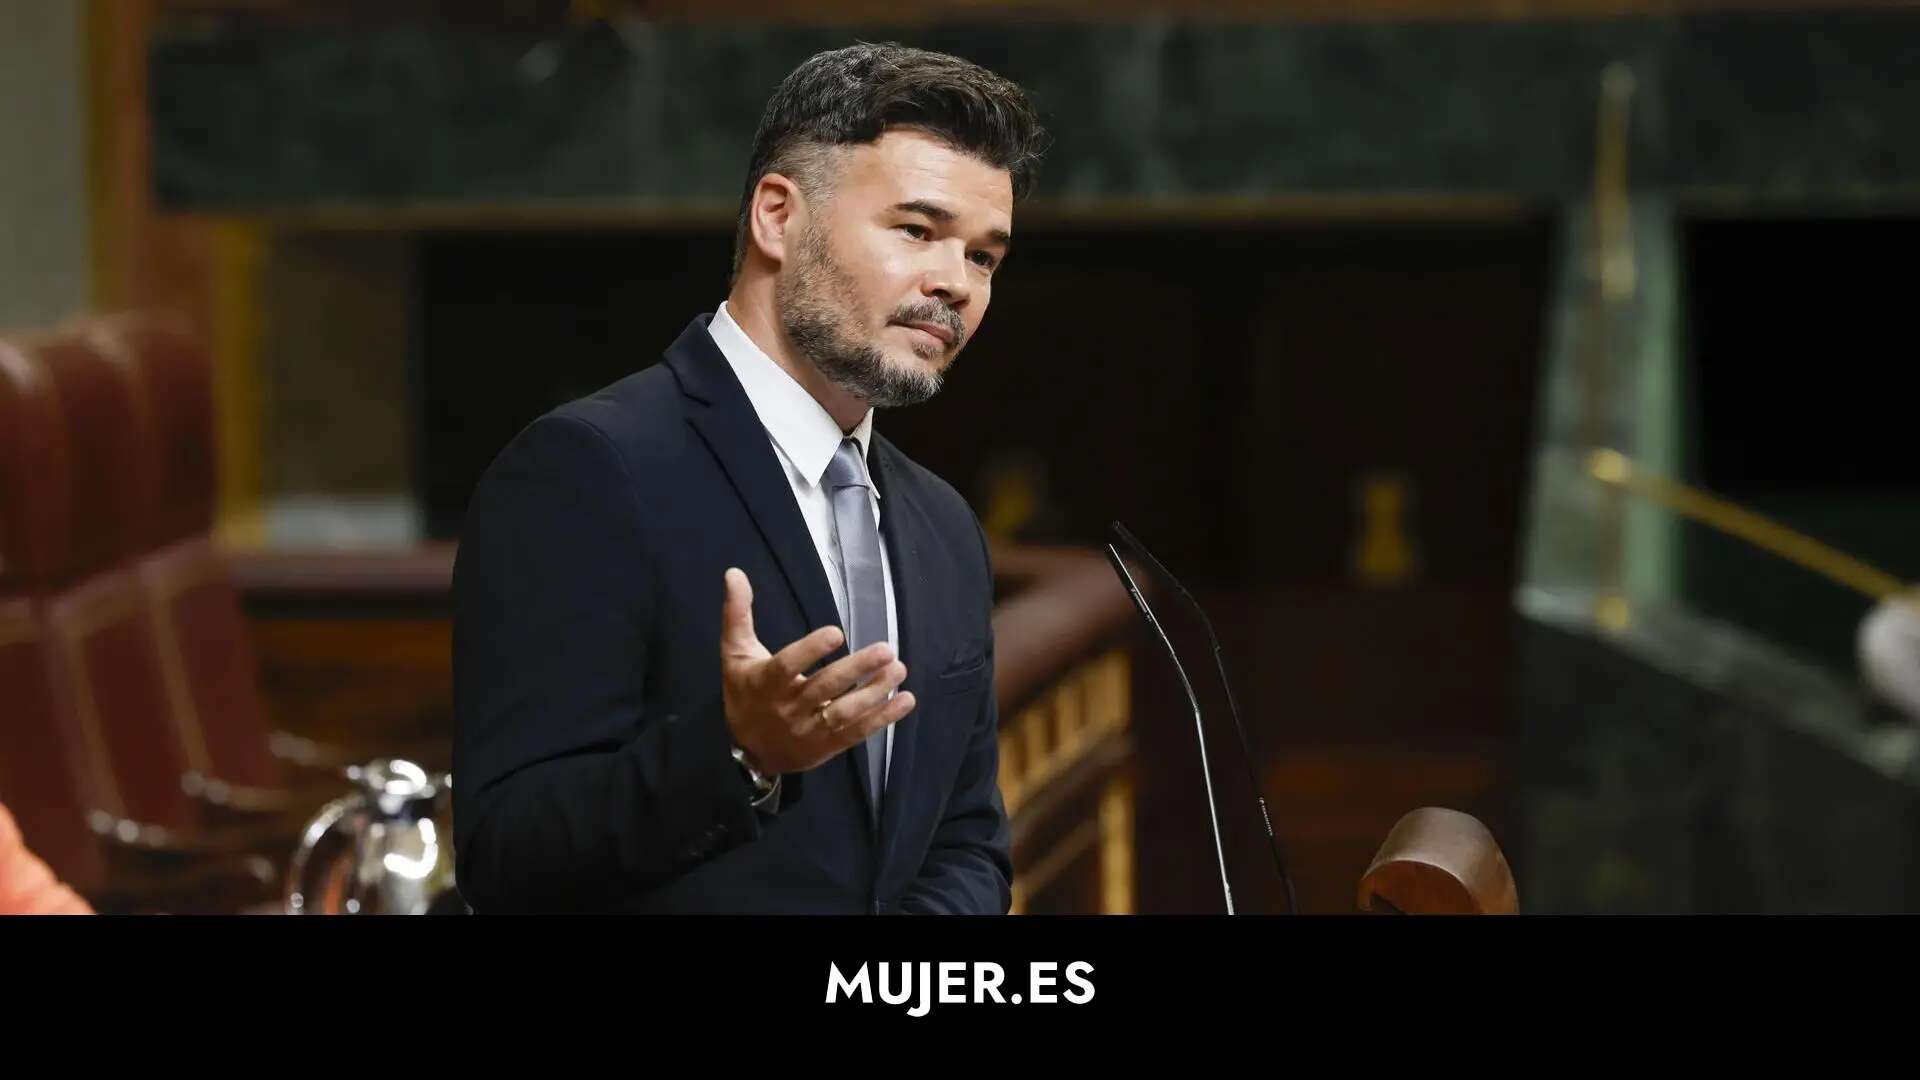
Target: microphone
x=1205, y=772
x=1246, y=752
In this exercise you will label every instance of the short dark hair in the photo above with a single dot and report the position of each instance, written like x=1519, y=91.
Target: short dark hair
x=855, y=94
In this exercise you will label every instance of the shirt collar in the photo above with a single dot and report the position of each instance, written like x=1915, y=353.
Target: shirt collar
x=798, y=424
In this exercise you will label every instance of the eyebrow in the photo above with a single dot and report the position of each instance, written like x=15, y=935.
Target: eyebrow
x=946, y=217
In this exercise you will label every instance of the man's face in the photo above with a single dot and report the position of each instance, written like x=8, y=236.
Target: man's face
x=889, y=279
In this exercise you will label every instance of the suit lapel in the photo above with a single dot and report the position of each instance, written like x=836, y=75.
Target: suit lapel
x=727, y=423
x=907, y=535
x=725, y=420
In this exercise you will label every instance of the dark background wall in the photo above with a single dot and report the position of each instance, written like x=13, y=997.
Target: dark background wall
x=1791, y=106
x=1280, y=304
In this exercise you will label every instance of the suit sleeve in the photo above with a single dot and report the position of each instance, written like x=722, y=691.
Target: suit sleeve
x=570, y=791
x=969, y=867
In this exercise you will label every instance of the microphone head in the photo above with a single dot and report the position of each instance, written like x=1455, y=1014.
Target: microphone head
x=1126, y=576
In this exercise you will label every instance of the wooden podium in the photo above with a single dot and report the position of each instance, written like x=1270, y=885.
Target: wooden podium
x=1439, y=862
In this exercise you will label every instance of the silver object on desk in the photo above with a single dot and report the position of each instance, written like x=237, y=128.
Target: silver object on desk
x=384, y=848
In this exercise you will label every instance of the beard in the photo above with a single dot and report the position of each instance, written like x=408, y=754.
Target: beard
x=819, y=310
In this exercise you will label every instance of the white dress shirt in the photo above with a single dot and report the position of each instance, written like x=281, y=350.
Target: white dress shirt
x=804, y=436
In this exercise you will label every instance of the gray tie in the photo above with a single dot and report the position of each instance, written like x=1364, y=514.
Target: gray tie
x=866, y=586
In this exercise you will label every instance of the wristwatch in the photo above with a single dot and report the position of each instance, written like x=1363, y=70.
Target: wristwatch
x=764, y=786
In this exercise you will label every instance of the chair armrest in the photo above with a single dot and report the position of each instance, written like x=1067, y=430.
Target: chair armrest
x=239, y=798
x=138, y=841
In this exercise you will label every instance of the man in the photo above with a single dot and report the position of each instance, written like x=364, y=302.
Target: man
x=718, y=645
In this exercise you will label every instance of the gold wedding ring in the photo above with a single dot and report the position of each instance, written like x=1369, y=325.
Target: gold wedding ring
x=824, y=706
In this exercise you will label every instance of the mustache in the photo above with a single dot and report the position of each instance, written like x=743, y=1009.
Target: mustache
x=934, y=311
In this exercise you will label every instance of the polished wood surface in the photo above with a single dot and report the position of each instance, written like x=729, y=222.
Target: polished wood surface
x=1439, y=862
x=352, y=580
x=351, y=679
x=1334, y=804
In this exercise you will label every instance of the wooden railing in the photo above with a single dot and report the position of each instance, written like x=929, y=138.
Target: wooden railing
x=1067, y=752
x=1063, y=680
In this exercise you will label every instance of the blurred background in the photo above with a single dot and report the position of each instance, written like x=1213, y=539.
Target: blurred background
x=1521, y=386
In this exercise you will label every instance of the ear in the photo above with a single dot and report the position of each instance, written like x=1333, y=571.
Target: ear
x=774, y=215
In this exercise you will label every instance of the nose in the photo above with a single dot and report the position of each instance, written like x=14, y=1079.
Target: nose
x=947, y=279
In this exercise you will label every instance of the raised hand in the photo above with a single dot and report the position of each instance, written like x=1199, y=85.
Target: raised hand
x=785, y=720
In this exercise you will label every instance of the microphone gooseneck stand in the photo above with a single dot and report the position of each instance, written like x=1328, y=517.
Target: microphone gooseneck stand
x=1233, y=712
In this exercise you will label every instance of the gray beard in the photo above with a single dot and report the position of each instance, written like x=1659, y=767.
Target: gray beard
x=811, y=304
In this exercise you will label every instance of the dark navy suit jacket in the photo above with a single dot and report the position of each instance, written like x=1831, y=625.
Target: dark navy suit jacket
x=592, y=765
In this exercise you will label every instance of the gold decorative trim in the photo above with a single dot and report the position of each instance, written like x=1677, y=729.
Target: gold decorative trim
x=1618, y=472
x=238, y=258
x=1011, y=779
x=1089, y=703
x=104, y=228
x=1116, y=847
x=1069, y=713
x=1615, y=275
x=1077, y=717
x=1036, y=725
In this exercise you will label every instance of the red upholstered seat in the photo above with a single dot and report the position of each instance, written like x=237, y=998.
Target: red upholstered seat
x=90, y=765
x=44, y=778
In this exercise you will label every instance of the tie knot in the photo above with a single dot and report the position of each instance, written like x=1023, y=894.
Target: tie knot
x=847, y=469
